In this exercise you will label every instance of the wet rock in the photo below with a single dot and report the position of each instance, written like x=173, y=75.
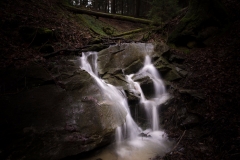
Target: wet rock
x=134, y=67
x=161, y=48
x=78, y=81
x=124, y=57
x=176, y=59
x=116, y=61
x=144, y=135
x=171, y=76
x=172, y=57
x=168, y=71
x=163, y=69
x=161, y=61
x=147, y=86
x=117, y=80
x=129, y=58
x=132, y=98
x=182, y=72
x=48, y=122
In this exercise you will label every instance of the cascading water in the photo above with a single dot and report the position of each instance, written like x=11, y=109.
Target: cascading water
x=160, y=95
x=113, y=94
x=131, y=141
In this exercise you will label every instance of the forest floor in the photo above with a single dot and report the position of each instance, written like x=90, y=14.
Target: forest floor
x=214, y=69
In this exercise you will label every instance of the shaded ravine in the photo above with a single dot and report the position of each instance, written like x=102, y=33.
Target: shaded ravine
x=132, y=142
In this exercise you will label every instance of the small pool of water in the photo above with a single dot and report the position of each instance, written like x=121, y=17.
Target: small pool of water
x=139, y=148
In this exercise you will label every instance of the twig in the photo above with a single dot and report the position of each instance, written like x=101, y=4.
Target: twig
x=33, y=38
x=43, y=45
x=179, y=141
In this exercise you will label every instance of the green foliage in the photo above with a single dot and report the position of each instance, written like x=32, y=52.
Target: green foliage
x=163, y=10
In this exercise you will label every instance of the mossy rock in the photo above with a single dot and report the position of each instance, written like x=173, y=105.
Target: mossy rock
x=96, y=25
x=134, y=67
x=171, y=76
x=161, y=48
x=108, y=30
x=163, y=69
x=161, y=61
x=36, y=36
x=176, y=58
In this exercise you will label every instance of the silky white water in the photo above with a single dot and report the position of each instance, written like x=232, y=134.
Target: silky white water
x=160, y=95
x=132, y=143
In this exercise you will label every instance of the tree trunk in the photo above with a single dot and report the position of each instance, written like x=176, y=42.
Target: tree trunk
x=107, y=15
x=203, y=19
x=137, y=8
x=122, y=8
x=113, y=6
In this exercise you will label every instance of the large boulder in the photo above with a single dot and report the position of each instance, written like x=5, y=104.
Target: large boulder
x=117, y=61
x=41, y=120
x=128, y=57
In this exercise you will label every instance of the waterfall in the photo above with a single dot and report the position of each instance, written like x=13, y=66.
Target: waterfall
x=160, y=95
x=129, y=133
x=113, y=94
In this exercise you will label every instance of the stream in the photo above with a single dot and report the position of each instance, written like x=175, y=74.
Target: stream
x=131, y=141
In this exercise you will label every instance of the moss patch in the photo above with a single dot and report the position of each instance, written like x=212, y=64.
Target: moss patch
x=96, y=25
